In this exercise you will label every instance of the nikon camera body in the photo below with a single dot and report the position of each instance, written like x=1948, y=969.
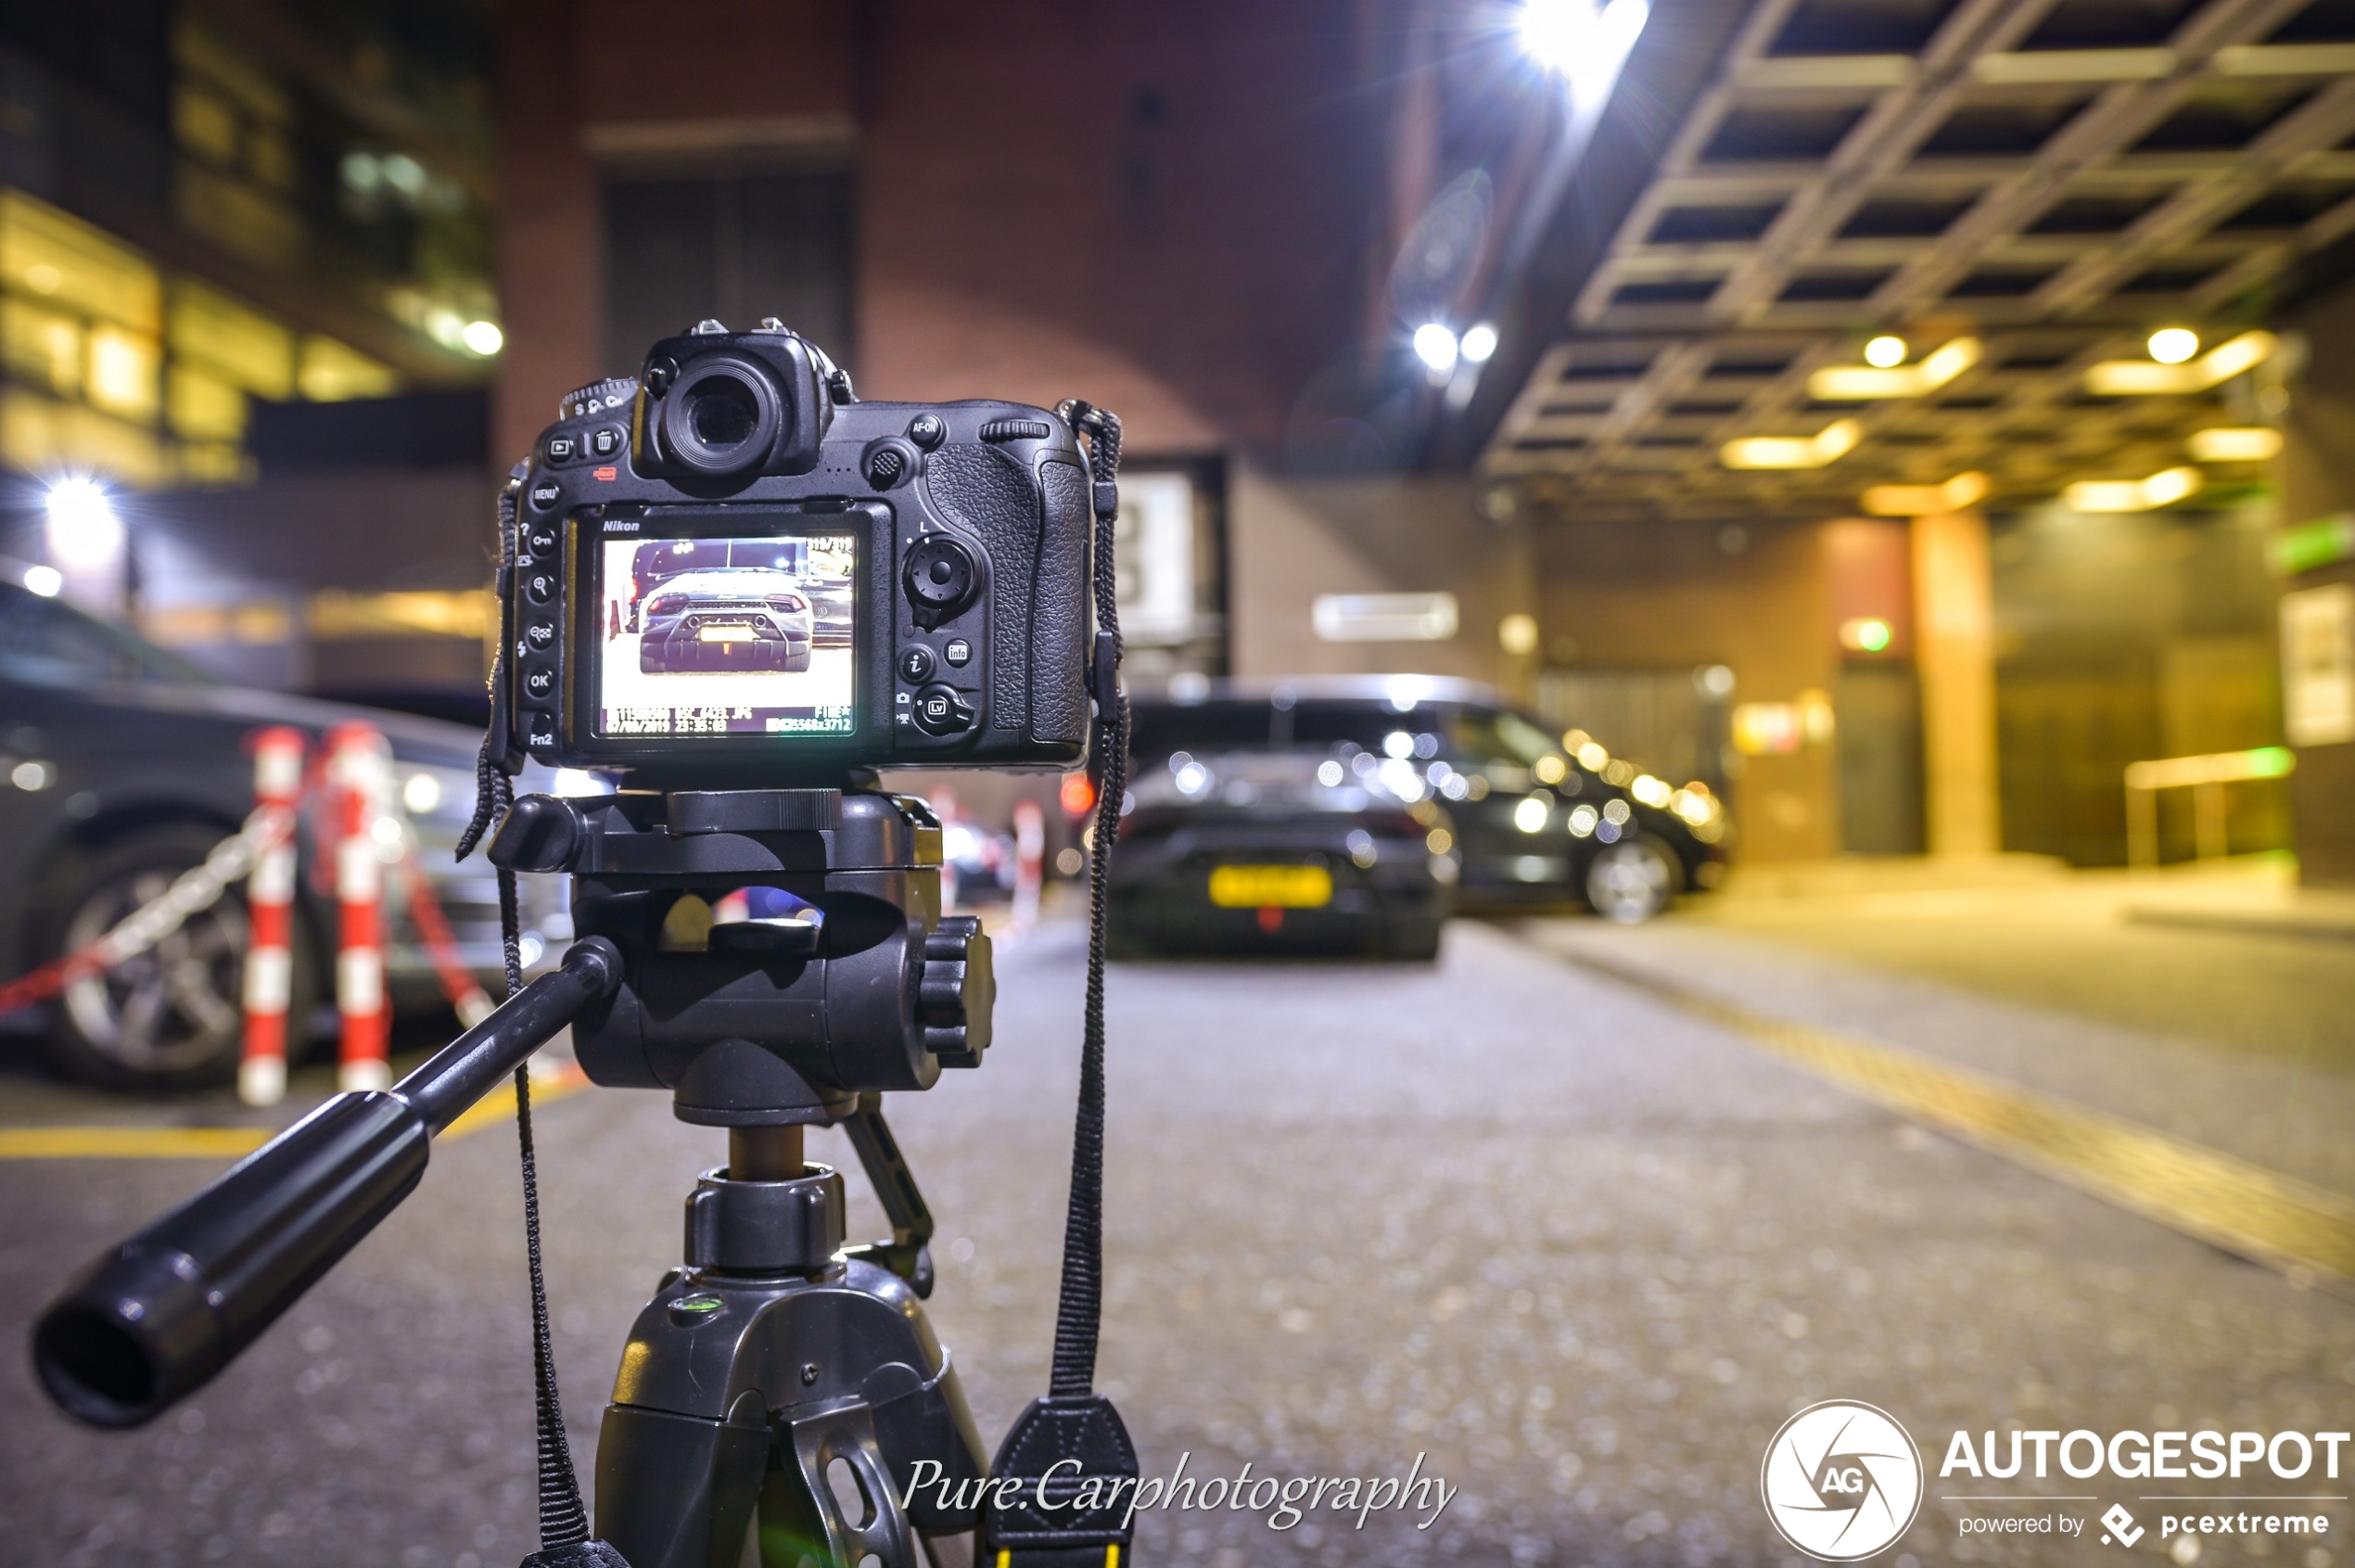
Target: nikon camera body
x=731, y=573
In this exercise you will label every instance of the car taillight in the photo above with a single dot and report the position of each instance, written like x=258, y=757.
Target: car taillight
x=787, y=603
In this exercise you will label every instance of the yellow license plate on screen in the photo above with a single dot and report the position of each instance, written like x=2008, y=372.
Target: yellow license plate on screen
x=1266, y=888
x=727, y=633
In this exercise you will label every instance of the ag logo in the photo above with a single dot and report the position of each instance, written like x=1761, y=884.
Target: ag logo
x=1842, y=1481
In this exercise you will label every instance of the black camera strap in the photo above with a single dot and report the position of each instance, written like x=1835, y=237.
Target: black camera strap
x=1066, y=1515
x=564, y=1518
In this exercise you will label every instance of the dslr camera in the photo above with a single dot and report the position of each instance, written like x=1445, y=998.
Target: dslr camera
x=729, y=571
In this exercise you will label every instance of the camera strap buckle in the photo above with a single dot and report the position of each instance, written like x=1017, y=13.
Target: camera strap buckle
x=1075, y=1501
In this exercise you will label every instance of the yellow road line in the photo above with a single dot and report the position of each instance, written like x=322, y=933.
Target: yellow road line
x=499, y=1106
x=2262, y=1215
x=233, y=1142
x=130, y=1142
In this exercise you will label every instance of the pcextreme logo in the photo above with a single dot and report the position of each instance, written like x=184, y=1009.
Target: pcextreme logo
x=1841, y=1480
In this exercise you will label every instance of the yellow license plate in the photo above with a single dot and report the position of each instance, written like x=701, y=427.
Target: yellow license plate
x=1271, y=887
x=727, y=633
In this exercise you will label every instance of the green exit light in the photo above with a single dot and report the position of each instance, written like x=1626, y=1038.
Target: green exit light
x=1873, y=636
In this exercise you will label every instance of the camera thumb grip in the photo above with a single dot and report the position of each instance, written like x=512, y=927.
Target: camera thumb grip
x=155, y=1317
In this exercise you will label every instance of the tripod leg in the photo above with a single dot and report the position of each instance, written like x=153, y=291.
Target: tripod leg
x=907, y=1254
x=829, y=1501
x=677, y=1491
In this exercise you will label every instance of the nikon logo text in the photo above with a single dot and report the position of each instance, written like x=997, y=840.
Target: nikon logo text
x=1842, y=1481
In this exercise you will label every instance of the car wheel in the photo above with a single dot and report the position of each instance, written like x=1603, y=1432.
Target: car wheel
x=797, y=657
x=172, y=1017
x=1632, y=880
x=650, y=659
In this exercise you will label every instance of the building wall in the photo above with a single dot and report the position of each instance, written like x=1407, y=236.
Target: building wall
x=2316, y=472
x=1673, y=598
x=1160, y=210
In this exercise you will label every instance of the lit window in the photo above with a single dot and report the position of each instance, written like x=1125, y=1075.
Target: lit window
x=124, y=368
x=64, y=261
x=236, y=343
x=203, y=407
x=332, y=373
x=41, y=346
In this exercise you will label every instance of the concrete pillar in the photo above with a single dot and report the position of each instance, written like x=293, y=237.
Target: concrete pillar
x=1955, y=650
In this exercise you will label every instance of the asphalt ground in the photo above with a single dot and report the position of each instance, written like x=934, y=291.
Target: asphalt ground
x=1581, y=1248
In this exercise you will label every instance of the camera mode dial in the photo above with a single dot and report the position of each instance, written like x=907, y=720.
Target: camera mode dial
x=599, y=397
x=941, y=577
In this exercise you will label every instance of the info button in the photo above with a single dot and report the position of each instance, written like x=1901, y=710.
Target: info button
x=958, y=651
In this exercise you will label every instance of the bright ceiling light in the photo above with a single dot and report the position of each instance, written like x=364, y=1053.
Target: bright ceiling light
x=46, y=581
x=1828, y=445
x=1926, y=501
x=1435, y=345
x=2162, y=489
x=2253, y=443
x=482, y=338
x=1885, y=352
x=1854, y=383
x=1479, y=342
x=84, y=530
x=2173, y=345
x=1585, y=42
x=2122, y=379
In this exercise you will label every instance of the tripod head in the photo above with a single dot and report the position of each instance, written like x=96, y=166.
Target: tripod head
x=784, y=949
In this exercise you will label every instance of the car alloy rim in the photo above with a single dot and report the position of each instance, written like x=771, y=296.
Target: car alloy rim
x=170, y=1007
x=1630, y=881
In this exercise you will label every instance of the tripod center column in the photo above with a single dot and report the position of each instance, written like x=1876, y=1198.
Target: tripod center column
x=764, y=1153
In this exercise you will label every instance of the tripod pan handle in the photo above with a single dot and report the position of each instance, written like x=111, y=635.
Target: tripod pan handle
x=154, y=1318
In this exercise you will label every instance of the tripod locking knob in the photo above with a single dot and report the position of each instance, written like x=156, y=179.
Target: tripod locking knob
x=957, y=991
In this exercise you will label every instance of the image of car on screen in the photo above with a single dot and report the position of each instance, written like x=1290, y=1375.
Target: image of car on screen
x=832, y=607
x=659, y=560
x=733, y=618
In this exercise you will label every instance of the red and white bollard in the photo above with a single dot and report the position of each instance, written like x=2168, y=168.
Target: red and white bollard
x=359, y=794
x=278, y=785
x=1030, y=864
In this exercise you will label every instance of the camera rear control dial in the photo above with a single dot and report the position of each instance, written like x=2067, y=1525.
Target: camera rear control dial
x=940, y=577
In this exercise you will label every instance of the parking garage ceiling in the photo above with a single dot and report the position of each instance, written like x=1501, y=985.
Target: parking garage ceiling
x=2040, y=182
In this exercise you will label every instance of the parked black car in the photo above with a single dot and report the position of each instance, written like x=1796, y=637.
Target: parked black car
x=1533, y=823
x=121, y=767
x=1245, y=849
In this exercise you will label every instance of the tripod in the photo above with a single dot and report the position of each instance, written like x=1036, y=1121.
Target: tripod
x=776, y=958
x=784, y=959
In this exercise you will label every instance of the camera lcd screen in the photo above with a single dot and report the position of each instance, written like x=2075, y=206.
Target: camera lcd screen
x=726, y=635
